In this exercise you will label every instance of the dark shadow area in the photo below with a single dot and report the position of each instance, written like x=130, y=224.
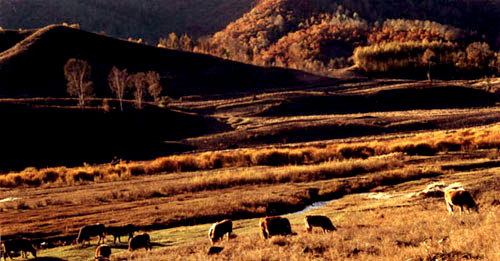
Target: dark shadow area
x=158, y=244
x=68, y=136
x=43, y=258
x=9, y=38
x=119, y=246
x=385, y=100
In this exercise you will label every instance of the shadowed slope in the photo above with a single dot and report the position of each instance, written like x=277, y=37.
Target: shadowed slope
x=34, y=66
x=9, y=38
x=385, y=100
x=40, y=135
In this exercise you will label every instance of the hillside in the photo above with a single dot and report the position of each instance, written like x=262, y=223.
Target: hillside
x=34, y=66
x=149, y=20
x=321, y=36
x=9, y=38
x=53, y=132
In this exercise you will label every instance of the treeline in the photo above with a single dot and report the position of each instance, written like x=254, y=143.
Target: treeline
x=475, y=59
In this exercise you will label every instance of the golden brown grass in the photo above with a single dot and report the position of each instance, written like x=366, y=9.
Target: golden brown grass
x=420, y=230
x=420, y=144
x=199, y=197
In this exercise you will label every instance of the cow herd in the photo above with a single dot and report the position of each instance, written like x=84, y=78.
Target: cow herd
x=455, y=195
x=270, y=226
x=103, y=252
x=15, y=247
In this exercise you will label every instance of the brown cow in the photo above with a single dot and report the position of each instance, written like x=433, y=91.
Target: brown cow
x=219, y=229
x=460, y=198
x=12, y=248
x=140, y=241
x=119, y=231
x=318, y=221
x=271, y=226
x=102, y=252
x=86, y=232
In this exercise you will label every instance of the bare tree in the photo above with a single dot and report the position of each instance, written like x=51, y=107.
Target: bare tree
x=118, y=83
x=139, y=83
x=155, y=88
x=77, y=73
x=429, y=58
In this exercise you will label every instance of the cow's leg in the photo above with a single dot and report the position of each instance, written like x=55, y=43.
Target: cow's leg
x=308, y=227
x=450, y=208
x=461, y=209
x=119, y=240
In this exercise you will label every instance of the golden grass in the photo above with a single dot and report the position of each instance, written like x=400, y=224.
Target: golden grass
x=419, y=231
x=420, y=144
x=201, y=197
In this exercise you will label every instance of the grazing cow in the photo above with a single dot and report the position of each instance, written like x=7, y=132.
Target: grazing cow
x=86, y=232
x=119, y=231
x=219, y=229
x=271, y=226
x=460, y=198
x=139, y=241
x=318, y=221
x=12, y=248
x=102, y=252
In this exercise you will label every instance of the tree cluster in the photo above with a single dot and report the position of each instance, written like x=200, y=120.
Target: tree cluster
x=476, y=58
x=77, y=73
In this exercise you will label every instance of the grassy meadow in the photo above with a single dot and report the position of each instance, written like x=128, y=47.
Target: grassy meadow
x=367, y=184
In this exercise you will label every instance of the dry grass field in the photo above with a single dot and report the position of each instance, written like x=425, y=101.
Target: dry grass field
x=365, y=168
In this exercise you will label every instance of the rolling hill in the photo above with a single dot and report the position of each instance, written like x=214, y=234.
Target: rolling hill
x=44, y=132
x=34, y=66
x=67, y=135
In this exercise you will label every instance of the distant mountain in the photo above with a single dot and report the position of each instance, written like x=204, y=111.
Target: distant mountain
x=34, y=66
x=149, y=19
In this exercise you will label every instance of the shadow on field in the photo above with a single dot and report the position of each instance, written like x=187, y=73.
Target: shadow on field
x=160, y=245
x=119, y=246
x=125, y=246
x=437, y=97
x=45, y=258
